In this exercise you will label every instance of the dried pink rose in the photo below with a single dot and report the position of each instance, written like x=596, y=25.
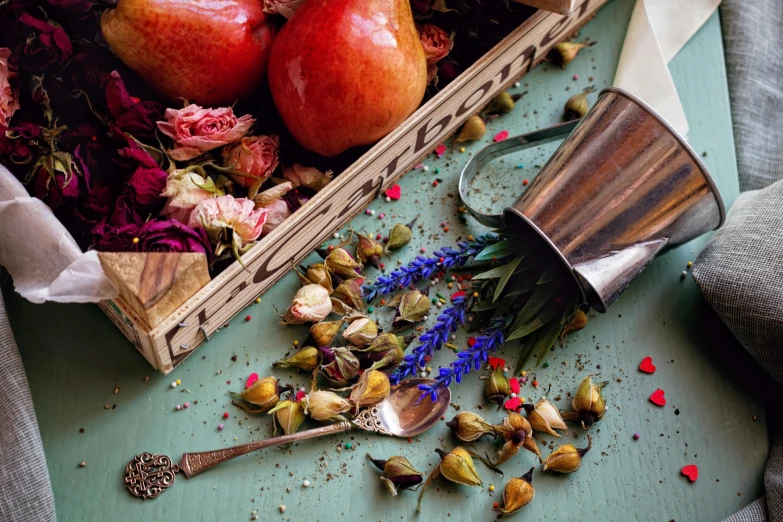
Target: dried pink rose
x=285, y=8
x=436, y=42
x=229, y=221
x=186, y=189
x=310, y=305
x=256, y=156
x=9, y=92
x=196, y=130
x=278, y=212
x=309, y=177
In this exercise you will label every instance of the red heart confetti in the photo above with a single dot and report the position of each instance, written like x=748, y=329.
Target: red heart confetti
x=691, y=471
x=394, y=192
x=657, y=398
x=441, y=150
x=496, y=362
x=471, y=341
x=647, y=366
x=251, y=380
x=514, y=385
x=513, y=404
x=500, y=136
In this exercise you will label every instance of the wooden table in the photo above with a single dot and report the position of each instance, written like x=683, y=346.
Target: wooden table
x=75, y=357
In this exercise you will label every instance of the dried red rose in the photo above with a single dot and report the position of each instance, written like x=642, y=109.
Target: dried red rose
x=146, y=183
x=132, y=116
x=172, y=236
x=47, y=47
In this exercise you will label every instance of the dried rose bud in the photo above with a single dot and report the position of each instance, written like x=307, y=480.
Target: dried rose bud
x=517, y=494
x=317, y=275
x=306, y=359
x=399, y=236
x=369, y=250
x=456, y=466
x=497, y=387
x=325, y=406
x=289, y=415
x=385, y=351
x=588, y=404
x=340, y=308
x=545, y=417
x=565, y=52
x=361, y=332
x=339, y=365
x=340, y=262
x=576, y=107
x=469, y=427
x=516, y=430
x=566, y=458
x=311, y=304
x=411, y=307
x=576, y=323
x=473, y=129
x=350, y=293
x=264, y=394
x=503, y=103
x=324, y=333
x=398, y=473
x=373, y=387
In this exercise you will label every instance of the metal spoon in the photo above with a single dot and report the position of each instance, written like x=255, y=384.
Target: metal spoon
x=404, y=413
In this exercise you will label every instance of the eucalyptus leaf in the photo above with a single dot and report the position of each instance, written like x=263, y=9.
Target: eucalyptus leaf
x=500, y=249
x=539, y=298
x=520, y=329
x=505, y=277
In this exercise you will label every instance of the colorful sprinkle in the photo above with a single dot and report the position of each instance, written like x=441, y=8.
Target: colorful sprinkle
x=174, y=384
x=440, y=150
x=178, y=382
x=525, y=182
x=491, y=487
x=225, y=414
x=186, y=405
x=247, y=318
x=500, y=136
x=636, y=436
x=220, y=427
x=347, y=445
x=462, y=149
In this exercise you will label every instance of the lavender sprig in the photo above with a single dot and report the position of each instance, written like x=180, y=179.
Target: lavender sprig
x=423, y=267
x=471, y=359
x=448, y=322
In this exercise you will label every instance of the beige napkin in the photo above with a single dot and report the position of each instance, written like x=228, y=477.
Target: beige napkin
x=656, y=33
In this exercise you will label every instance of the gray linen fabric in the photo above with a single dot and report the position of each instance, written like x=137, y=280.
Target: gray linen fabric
x=740, y=272
x=753, y=41
x=25, y=491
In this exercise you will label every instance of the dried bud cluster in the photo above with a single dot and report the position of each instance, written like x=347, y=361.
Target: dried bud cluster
x=566, y=458
x=326, y=406
x=261, y=396
x=469, y=427
x=307, y=359
x=517, y=494
x=588, y=404
x=545, y=417
x=398, y=473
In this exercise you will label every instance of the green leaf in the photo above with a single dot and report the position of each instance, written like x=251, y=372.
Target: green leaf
x=505, y=277
x=539, y=298
x=552, y=271
x=501, y=249
x=496, y=272
x=523, y=328
x=541, y=340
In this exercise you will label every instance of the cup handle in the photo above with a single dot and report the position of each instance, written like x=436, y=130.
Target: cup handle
x=501, y=148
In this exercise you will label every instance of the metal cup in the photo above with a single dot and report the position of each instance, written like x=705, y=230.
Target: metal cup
x=620, y=191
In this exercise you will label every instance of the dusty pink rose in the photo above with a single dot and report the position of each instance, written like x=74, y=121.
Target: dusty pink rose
x=218, y=215
x=285, y=8
x=196, y=130
x=309, y=177
x=9, y=94
x=253, y=155
x=436, y=42
x=186, y=189
x=278, y=212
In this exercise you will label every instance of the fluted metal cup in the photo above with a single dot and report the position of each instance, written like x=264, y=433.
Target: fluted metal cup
x=620, y=191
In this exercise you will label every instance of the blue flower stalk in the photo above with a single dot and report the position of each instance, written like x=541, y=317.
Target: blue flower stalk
x=423, y=267
x=471, y=359
x=448, y=321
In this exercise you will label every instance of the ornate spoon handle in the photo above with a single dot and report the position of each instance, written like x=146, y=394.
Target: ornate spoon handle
x=194, y=463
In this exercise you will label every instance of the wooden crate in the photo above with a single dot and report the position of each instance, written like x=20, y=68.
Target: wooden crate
x=168, y=344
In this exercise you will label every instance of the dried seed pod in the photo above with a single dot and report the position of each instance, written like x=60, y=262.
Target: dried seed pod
x=588, y=403
x=565, y=52
x=398, y=473
x=469, y=427
x=503, y=103
x=576, y=323
x=517, y=494
x=339, y=365
x=340, y=262
x=497, y=387
x=263, y=394
x=576, y=107
x=384, y=351
x=310, y=305
x=350, y=293
x=399, y=236
x=326, y=406
x=566, y=458
x=289, y=415
x=361, y=331
x=518, y=433
x=306, y=359
x=473, y=129
x=411, y=306
x=325, y=332
x=369, y=250
x=545, y=417
x=317, y=274
x=456, y=466
x=373, y=387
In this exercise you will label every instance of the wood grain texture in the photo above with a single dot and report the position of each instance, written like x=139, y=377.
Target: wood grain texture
x=708, y=378
x=155, y=284
x=555, y=6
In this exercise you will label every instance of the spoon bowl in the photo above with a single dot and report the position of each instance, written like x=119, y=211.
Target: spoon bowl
x=408, y=411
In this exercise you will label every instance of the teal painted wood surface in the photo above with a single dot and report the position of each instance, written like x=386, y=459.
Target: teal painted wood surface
x=75, y=357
